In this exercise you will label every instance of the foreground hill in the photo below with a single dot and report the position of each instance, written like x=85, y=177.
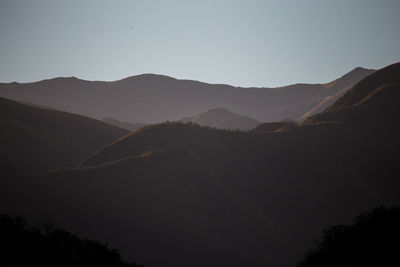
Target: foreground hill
x=155, y=98
x=223, y=119
x=176, y=194
x=37, y=139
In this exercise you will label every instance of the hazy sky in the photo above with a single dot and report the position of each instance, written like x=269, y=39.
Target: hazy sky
x=244, y=43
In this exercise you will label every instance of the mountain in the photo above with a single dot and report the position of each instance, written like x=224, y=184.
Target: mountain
x=153, y=98
x=365, y=120
x=223, y=119
x=37, y=139
x=334, y=90
x=323, y=170
x=178, y=194
x=124, y=124
x=375, y=90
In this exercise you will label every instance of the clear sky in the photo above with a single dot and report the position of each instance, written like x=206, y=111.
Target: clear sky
x=243, y=43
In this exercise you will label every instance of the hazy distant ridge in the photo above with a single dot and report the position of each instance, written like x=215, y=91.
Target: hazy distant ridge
x=153, y=98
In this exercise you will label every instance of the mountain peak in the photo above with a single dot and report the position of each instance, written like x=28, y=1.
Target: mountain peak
x=147, y=77
x=356, y=72
x=223, y=118
x=350, y=78
x=378, y=89
x=68, y=78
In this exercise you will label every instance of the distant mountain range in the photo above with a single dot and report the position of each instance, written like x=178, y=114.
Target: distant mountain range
x=178, y=194
x=153, y=98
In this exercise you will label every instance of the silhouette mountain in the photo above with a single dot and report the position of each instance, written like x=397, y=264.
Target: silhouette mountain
x=124, y=124
x=184, y=195
x=223, y=119
x=38, y=139
x=153, y=98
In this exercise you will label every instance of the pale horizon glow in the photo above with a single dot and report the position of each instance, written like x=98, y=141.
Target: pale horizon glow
x=242, y=43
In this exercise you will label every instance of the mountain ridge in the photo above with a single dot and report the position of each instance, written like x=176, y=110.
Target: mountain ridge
x=174, y=98
x=163, y=76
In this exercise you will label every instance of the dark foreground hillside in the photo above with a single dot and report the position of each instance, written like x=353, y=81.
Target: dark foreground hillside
x=24, y=245
x=371, y=240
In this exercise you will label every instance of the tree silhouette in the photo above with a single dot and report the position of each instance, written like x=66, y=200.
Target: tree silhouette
x=372, y=240
x=21, y=245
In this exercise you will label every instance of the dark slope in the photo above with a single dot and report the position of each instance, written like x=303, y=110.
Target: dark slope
x=241, y=199
x=35, y=139
x=154, y=98
x=124, y=124
x=223, y=119
x=176, y=213
x=192, y=195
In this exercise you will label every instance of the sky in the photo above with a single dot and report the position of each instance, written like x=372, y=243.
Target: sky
x=243, y=43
